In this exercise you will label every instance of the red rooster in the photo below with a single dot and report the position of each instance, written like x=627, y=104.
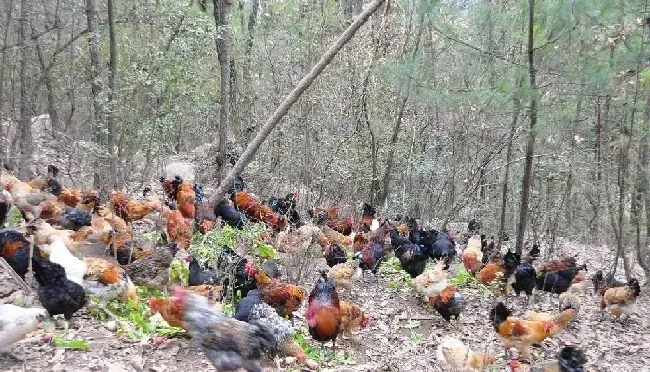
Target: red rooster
x=257, y=211
x=324, y=311
x=185, y=198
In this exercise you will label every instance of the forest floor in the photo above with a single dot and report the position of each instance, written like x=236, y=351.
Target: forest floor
x=403, y=335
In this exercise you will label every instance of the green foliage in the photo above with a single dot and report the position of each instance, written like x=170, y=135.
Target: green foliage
x=398, y=279
x=462, y=278
x=74, y=344
x=14, y=218
x=136, y=320
x=179, y=271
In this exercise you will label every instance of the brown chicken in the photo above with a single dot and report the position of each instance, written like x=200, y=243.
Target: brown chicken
x=565, y=317
x=621, y=300
x=472, y=255
x=108, y=281
x=132, y=250
x=335, y=237
x=360, y=241
x=257, y=211
x=206, y=218
x=284, y=298
x=44, y=233
x=170, y=310
x=555, y=265
x=179, y=229
x=352, y=317
x=522, y=334
x=344, y=273
x=344, y=226
x=185, y=198
x=213, y=293
x=499, y=273
x=70, y=197
x=152, y=271
x=130, y=210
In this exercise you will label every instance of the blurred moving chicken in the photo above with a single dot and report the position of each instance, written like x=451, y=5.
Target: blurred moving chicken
x=152, y=271
x=570, y=299
x=228, y=343
x=352, y=318
x=525, y=280
x=284, y=298
x=324, y=311
x=16, y=322
x=456, y=356
x=251, y=308
x=621, y=300
x=522, y=334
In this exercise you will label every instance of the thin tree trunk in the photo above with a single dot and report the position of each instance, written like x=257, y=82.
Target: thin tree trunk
x=506, y=176
x=112, y=91
x=248, y=101
x=26, y=141
x=530, y=145
x=221, y=10
x=642, y=192
x=295, y=94
x=96, y=90
x=6, y=143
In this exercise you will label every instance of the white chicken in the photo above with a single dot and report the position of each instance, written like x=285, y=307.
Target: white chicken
x=75, y=269
x=15, y=323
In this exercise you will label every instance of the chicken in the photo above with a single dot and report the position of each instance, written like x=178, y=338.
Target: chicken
x=367, y=217
x=455, y=355
x=299, y=240
x=206, y=218
x=334, y=255
x=522, y=334
x=284, y=298
x=438, y=246
x=335, y=237
x=109, y=228
x=426, y=279
x=324, y=311
x=198, y=276
x=256, y=211
x=344, y=273
x=133, y=250
x=228, y=343
x=130, y=210
x=555, y=265
x=16, y=323
x=570, y=359
x=343, y=226
x=251, y=308
x=71, y=218
x=5, y=206
x=558, y=281
x=14, y=248
x=621, y=300
x=152, y=271
x=473, y=255
x=57, y=294
x=179, y=229
x=116, y=223
x=213, y=293
x=108, y=281
x=570, y=299
x=70, y=197
x=185, y=199
x=229, y=214
x=286, y=207
x=449, y=303
x=525, y=280
x=30, y=204
x=412, y=257
x=374, y=252
x=169, y=309
x=75, y=269
x=352, y=317
x=44, y=233
x=501, y=271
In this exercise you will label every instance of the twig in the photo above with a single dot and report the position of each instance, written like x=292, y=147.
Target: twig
x=15, y=276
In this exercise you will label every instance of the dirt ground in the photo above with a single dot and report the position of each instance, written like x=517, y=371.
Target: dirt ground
x=403, y=335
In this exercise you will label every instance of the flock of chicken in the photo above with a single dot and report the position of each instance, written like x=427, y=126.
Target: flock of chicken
x=59, y=222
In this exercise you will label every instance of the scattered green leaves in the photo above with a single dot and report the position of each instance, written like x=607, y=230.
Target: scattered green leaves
x=179, y=271
x=74, y=344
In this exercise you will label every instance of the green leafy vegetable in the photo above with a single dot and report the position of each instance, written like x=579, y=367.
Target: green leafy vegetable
x=74, y=344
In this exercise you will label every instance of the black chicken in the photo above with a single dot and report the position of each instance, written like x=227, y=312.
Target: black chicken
x=558, y=281
x=198, y=276
x=334, y=255
x=73, y=219
x=412, y=257
x=14, y=248
x=229, y=214
x=525, y=280
x=57, y=294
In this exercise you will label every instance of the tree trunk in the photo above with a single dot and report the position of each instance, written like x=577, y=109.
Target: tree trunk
x=26, y=141
x=112, y=91
x=530, y=145
x=96, y=91
x=247, y=92
x=641, y=192
x=295, y=94
x=6, y=143
x=221, y=10
x=506, y=176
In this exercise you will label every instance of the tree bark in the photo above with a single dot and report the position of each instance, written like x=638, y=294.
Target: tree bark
x=26, y=141
x=96, y=90
x=221, y=10
x=530, y=145
x=248, y=101
x=112, y=91
x=641, y=192
x=295, y=94
x=3, y=62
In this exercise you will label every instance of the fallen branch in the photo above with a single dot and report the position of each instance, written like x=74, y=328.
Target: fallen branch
x=295, y=94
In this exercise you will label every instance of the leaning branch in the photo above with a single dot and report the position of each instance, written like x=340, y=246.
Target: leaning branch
x=295, y=94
